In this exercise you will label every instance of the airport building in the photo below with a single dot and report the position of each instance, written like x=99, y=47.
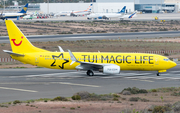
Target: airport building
x=108, y=6
x=112, y=6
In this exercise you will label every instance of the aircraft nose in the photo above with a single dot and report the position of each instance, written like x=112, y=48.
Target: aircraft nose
x=172, y=64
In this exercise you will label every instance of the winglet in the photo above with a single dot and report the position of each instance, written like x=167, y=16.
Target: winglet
x=60, y=49
x=73, y=58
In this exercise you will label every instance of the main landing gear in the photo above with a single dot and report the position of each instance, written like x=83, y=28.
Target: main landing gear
x=90, y=73
x=158, y=74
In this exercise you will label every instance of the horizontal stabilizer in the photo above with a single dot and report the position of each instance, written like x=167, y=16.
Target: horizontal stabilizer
x=60, y=49
x=11, y=53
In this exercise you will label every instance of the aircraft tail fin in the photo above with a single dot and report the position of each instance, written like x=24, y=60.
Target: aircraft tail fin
x=132, y=15
x=19, y=42
x=89, y=8
x=123, y=10
x=24, y=10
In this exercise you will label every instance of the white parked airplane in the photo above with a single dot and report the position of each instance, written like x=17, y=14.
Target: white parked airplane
x=14, y=15
x=75, y=13
x=107, y=15
x=31, y=16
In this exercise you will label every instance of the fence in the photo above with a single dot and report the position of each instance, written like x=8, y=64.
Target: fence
x=6, y=60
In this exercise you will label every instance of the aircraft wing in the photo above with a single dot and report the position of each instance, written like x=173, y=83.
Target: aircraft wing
x=12, y=53
x=87, y=65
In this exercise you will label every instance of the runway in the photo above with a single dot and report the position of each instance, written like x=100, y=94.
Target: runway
x=98, y=36
x=26, y=84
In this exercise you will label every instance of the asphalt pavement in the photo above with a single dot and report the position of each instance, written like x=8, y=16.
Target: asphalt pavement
x=98, y=36
x=35, y=83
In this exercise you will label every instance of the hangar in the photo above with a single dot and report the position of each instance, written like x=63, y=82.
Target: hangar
x=106, y=7
x=109, y=6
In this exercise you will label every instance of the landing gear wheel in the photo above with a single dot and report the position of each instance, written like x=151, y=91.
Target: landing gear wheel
x=158, y=74
x=90, y=73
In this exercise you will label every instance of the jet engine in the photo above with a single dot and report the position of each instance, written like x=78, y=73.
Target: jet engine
x=111, y=69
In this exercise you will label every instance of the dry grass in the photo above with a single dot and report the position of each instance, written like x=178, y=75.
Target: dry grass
x=69, y=27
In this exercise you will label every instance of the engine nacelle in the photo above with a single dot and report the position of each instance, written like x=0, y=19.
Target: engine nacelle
x=110, y=69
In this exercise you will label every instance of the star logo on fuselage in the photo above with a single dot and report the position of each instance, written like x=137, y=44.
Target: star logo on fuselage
x=60, y=56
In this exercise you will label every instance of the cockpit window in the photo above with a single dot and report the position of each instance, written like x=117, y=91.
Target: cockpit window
x=166, y=59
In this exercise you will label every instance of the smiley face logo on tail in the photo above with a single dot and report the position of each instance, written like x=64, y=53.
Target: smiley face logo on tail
x=16, y=43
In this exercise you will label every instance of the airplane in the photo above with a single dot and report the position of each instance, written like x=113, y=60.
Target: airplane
x=106, y=15
x=14, y=15
x=105, y=62
x=75, y=13
x=32, y=16
x=127, y=16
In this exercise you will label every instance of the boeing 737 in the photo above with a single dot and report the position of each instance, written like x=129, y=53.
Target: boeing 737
x=107, y=63
x=107, y=15
x=14, y=15
x=75, y=13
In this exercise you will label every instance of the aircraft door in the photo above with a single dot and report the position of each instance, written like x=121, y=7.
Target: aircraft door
x=156, y=60
x=36, y=58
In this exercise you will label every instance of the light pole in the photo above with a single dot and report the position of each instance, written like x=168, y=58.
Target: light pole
x=4, y=5
x=48, y=7
x=134, y=5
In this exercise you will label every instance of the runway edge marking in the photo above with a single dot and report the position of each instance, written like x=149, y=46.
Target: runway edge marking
x=18, y=89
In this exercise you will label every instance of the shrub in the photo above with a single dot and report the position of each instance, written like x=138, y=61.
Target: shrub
x=176, y=107
x=126, y=92
x=76, y=97
x=83, y=94
x=115, y=99
x=144, y=100
x=115, y=95
x=16, y=102
x=161, y=109
x=143, y=91
x=60, y=99
x=123, y=98
x=72, y=108
x=154, y=90
x=175, y=94
x=134, y=99
x=133, y=90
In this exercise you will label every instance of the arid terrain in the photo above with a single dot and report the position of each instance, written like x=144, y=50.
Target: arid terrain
x=72, y=27
x=130, y=100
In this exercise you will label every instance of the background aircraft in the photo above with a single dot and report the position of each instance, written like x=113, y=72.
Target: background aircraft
x=107, y=63
x=75, y=13
x=15, y=15
x=127, y=16
x=30, y=16
x=107, y=15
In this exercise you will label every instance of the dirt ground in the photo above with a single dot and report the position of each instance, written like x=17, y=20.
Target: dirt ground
x=108, y=106
x=70, y=27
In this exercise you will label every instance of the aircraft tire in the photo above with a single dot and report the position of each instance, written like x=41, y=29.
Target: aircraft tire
x=158, y=74
x=90, y=73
